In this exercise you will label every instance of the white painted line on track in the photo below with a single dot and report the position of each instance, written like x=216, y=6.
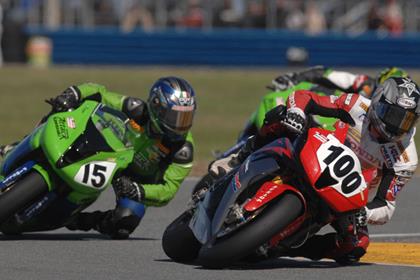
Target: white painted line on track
x=332, y=261
x=379, y=235
x=393, y=264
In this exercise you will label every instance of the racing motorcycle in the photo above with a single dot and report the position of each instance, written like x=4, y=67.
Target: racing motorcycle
x=269, y=101
x=280, y=196
x=62, y=167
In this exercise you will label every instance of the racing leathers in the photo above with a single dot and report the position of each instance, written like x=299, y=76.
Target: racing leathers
x=319, y=79
x=159, y=167
x=394, y=164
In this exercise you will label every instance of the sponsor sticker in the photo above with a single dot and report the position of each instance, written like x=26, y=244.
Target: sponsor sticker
x=320, y=137
x=71, y=123
x=364, y=106
x=61, y=127
x=348, y=99
x=333, y=98
x=407, y=103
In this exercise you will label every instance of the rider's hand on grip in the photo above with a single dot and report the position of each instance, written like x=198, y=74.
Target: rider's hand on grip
x=361, y=218
x=220, y=167
x=295, y=120
x=125, y=187
x=67, y=100
x=284, y=82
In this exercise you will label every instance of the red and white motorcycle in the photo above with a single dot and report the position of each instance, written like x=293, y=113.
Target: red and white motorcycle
x=280, y=196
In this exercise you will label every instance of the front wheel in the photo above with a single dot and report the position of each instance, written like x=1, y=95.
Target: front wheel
x=179, y=242
x=275, y=218
x=21, y=194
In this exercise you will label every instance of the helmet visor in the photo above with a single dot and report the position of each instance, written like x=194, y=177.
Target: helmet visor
x=179, y=119
x=397, y=120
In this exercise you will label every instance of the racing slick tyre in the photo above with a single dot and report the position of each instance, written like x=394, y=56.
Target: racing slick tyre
x=248, y=238
x=179, y=242
x=21, y=194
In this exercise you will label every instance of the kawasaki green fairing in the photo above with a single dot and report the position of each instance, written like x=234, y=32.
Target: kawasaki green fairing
x=83, y=148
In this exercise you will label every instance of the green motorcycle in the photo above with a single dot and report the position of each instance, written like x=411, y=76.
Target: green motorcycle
x=63, y=166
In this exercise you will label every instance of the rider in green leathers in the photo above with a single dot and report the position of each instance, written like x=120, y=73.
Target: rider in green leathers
x=163, y=150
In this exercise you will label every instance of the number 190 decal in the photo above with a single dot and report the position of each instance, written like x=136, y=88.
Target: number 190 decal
x=342, y=165
x=95, y=174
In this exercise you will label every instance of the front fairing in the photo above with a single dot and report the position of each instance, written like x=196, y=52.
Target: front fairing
x=86, y=148
x=242, y=183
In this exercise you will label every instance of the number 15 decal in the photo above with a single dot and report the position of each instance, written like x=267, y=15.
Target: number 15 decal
x=95, y=174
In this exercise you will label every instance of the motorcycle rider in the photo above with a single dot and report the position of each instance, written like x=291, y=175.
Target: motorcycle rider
x=339, y=80
x=325, y=81
x=381, y=133
x=162, y=160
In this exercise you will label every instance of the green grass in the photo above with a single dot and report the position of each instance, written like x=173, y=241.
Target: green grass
x=226, y=97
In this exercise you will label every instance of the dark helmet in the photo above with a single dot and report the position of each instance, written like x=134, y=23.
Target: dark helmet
x=171, y=104
x=394, y=109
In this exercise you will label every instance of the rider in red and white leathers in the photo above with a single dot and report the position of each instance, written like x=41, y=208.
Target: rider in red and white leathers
x=395, y=162
x=381, y=134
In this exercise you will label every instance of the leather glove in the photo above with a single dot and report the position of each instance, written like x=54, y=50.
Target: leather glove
x=125, y=187
x=67, y=100
x=361, y=218
x=284, y=82
x=221, y=167
x=295, y=120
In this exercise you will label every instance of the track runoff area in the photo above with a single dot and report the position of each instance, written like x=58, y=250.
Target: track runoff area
x=398, y=242
x=393, y=253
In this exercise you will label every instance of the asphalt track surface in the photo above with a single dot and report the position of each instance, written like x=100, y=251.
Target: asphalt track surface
x=63, y=254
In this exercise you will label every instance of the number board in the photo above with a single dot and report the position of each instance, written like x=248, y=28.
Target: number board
x=341, y=166
x=95, y=174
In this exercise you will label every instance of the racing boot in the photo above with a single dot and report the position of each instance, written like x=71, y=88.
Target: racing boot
x=117, y=224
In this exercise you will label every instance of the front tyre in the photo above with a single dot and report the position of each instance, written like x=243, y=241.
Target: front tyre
x=21, y=194
x=275, y=218
x=179, y=242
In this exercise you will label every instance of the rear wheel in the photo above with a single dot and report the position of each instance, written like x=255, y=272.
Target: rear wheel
x=247, y=239
x=21, y=194
x=179, y=242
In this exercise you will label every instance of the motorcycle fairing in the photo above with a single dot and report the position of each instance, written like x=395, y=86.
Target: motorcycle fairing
x=254, y=171
x=334, y=171
x=269, y=191
x=86, y=147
